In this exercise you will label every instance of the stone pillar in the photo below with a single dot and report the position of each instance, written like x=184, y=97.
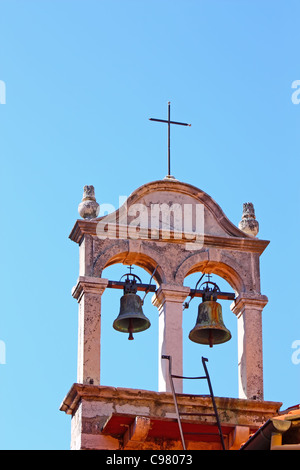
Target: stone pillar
x=248, y=310
x=169, y=299
x=88, y=292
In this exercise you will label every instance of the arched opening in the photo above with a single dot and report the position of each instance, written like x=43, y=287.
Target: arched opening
x=124, y=363
x=222, y=358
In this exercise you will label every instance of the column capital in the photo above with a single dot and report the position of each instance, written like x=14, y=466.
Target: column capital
x=91, y=285
x=170, y=293
x=256, y=302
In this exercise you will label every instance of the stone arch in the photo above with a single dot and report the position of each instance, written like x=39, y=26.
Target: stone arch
x=122, y=255
x=224, y=266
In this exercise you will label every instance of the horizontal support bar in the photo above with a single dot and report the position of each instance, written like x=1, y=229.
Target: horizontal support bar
x=197, y=414
x=170, y=122
x=181, y=377
x=153, y=288
x=220, y=295
x=141, y=287
x=202, y=433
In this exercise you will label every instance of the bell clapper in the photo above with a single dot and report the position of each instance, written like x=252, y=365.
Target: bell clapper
x=210, y=339
x=130, y=330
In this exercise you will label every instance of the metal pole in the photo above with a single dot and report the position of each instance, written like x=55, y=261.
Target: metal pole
x=169, y=134
x=175, y=401
x=204, y=360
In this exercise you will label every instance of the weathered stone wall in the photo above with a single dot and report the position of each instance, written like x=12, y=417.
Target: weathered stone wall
x=91, y=406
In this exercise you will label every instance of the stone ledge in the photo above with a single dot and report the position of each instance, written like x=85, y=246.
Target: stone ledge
x=232, y=411
x=89, y=227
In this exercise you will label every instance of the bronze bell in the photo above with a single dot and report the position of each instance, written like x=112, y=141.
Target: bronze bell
x=131, y=318
x=209, y=328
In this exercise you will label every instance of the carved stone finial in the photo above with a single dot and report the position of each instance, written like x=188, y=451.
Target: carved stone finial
x=89, y=207
x=249, y=224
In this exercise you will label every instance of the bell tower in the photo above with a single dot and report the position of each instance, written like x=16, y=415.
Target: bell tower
x=171, y=229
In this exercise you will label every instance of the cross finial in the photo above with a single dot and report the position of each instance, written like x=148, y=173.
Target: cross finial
x=169, y=122
x=130, y=269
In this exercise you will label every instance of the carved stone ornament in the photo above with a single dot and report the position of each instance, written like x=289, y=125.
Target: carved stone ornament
x=89, y=207
x=249, y=224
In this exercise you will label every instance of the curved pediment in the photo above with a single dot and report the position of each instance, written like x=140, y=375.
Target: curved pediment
x=164, y=223
x=183, y=206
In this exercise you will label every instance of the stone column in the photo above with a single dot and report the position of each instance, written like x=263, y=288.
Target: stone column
x=248, y=310
x=88, y=292
x=169, y=299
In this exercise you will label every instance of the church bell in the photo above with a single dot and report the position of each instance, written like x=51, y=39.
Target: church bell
x=210, y=328
x=131, y=318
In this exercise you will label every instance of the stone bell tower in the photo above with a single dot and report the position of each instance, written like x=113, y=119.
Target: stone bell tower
x=171, y=229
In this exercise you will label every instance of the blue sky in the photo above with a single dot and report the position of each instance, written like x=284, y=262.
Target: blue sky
x=82, y=78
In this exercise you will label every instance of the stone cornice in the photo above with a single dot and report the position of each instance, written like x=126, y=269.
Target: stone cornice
x=91, y=285
x=232, y=410
x=170, y=293
x=248, y=244
x=256, y=302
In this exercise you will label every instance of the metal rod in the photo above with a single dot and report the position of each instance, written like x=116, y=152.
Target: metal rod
x=199, y=281
x=171, y=122
x=220, y=295
x=141, y=287
x=169, y=135
x=198, y=414
x=175, y=401
x=202, y=433
x=171, y=376
x=181, y=377
x=153, y=288
x=147, y=290
x=204, y=360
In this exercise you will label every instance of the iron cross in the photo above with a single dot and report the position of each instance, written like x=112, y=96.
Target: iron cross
x=169, y=122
